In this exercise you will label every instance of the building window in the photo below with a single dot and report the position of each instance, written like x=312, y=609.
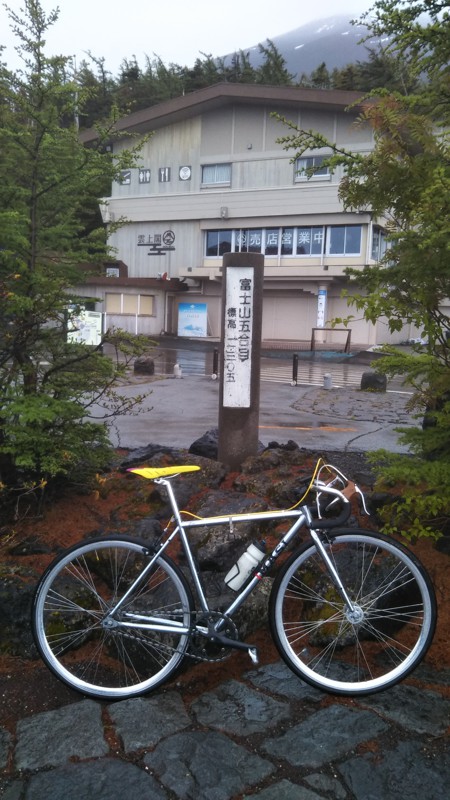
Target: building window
x=140, y=304
x=216, y=173
x=272, y=240
x=310, y=241
x=146, y=304
x=379, y=244
x=310, y=168
x=287, y=241
x=344, y=240
x=340, y=240
x=130, y=304
x=248, y=241
x=218, y=243
x=113, y=303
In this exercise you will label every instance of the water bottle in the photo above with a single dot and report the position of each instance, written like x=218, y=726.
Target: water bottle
x=239, y=573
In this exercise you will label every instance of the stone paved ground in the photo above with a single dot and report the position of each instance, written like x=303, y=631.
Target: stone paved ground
x=267, y=736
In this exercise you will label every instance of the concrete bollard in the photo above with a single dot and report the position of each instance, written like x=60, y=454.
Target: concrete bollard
x=177, y=373
x=327, y=381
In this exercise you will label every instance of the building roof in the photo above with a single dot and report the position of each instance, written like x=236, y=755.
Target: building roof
x=221, y=94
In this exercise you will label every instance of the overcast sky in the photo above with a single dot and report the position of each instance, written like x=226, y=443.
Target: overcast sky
x=177, y=31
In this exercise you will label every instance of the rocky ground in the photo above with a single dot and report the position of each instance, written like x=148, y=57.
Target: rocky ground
x=287, y=748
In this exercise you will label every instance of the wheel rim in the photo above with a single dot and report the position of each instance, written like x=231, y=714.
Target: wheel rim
x=72, y=631
x=369, y=647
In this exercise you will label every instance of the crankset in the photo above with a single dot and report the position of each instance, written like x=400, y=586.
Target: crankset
x=209, y=644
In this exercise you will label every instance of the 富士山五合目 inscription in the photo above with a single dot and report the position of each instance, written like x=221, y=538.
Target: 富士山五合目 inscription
x=238, y=338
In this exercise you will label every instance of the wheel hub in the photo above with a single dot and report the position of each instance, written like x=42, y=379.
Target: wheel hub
x=109, y=622
x=356, y=615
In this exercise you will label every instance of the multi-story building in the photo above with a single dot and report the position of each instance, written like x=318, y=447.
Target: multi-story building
x=214, y=178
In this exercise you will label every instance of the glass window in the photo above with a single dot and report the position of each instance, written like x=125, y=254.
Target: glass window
x=353, y=239
x=216, y=173
x=224, y=242
x=146, y=304
x=248, y=241
x=336, y=240
x=254, y=241
x=272, y=238
x=287, y=241
x=241, y=242
x=113, y=303
x=379, y=245
x=344, y=240
x=310, y=241
x=129, y=304
x=218, y=243
x=212, y=239
x=309, y=167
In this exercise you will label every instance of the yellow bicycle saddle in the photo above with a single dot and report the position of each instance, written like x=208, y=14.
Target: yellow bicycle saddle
x=162, y=472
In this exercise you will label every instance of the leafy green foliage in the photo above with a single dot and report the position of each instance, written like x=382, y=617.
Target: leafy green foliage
x=419, y=504
x=404, y=182
x=50, y=227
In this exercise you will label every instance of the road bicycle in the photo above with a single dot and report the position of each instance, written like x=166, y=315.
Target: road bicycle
x=351, y=611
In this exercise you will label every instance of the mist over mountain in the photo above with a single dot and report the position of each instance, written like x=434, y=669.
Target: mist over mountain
x=333, y=40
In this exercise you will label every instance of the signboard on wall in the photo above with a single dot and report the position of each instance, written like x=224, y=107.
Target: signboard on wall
x=321, y=307
x=85, y=327
x=192, y=319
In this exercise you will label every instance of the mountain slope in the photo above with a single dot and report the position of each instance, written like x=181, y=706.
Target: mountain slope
x=333, y=40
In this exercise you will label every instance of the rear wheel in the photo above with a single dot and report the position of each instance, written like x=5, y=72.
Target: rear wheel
x=371, y=647
x=90, y=651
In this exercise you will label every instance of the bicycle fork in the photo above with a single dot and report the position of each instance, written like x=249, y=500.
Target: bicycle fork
x=354, y=613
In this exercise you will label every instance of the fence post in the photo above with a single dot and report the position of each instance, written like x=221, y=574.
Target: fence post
x=215, y=369
x=294, y=369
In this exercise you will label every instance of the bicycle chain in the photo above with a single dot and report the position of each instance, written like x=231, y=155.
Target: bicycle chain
x=204, y=655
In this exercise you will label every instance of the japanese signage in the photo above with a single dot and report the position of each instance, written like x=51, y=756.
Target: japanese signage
x=158, y=243
x=321, y=307
x=238, y=337
x=85, y=327
x=192, y=319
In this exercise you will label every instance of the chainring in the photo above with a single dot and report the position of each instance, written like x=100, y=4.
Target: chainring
x=201, y=648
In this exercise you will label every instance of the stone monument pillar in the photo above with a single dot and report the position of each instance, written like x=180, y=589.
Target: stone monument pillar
x=242, y=290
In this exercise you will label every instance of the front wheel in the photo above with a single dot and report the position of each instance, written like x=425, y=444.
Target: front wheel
x=368, y=648
x=111, y=656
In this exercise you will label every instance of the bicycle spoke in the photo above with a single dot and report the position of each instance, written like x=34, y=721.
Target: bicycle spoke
x=369, y=645
x=82, y=641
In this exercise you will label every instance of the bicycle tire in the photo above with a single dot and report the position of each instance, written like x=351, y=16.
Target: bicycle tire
x=394, y=622
x=74, y=596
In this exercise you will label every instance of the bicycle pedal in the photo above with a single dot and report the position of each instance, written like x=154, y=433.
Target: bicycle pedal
x=225, y=641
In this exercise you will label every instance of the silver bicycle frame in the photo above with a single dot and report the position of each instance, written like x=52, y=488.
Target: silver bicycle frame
x=301, y=517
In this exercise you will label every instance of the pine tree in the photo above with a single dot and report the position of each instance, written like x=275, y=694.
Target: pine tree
x=405, y=182
x=273, y=71
x=49, y=227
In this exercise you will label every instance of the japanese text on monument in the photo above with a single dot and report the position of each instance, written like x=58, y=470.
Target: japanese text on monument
x=238, y=337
